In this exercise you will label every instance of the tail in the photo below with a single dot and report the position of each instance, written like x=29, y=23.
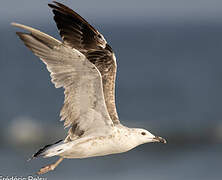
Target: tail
x=49, y=150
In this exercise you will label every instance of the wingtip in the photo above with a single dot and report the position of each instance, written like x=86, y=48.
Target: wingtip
x=18, y=33
x=53, y=5
x=17, y=25
x=58, y=3
x=13, y=24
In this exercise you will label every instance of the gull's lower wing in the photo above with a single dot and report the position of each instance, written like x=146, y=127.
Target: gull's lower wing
x=84, y=105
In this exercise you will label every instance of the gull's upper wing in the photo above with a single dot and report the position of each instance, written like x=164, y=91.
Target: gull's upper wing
x=77, y=33
x=84, y=105
x=74, y=30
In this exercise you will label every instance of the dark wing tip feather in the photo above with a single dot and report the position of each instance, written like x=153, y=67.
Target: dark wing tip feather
x=67, y=11
x=20, y=34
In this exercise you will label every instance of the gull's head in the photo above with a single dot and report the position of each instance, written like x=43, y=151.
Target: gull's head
x=144, y=136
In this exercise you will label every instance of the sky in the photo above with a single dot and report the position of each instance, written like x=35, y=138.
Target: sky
x=116, y=10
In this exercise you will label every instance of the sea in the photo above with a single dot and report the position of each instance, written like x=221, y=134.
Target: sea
x=169, y=81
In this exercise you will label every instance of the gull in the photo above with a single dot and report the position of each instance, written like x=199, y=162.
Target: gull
x=84, y=64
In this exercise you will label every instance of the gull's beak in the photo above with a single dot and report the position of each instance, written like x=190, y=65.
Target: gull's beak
x=159, y=139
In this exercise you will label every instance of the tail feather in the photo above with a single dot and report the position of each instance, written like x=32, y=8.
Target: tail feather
x=42, y=152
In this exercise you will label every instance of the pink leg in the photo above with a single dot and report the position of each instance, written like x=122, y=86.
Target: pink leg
x=50, y=167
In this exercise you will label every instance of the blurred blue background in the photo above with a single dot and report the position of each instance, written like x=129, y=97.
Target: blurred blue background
x=169, y=81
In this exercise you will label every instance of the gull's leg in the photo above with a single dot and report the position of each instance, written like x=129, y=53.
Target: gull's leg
x=50, y=167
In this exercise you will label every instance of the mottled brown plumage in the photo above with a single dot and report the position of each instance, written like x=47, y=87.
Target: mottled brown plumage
x=79, y=34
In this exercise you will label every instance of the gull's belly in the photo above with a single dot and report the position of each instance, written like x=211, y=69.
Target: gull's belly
x=98, y=146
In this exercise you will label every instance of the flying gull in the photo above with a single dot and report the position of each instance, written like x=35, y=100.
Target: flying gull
x=84, y=64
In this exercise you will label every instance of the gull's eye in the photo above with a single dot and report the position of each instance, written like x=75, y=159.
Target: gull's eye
x=143, y=133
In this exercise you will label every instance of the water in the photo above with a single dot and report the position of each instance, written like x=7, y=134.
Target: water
x=157, y=163
x=166, y=72
x=169, y=81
